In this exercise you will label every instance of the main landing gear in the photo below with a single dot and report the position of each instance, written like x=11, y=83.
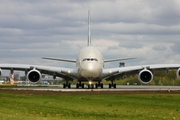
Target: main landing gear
x=89, y=85
x=68, y=85
x=80, y=85
x=112, y=84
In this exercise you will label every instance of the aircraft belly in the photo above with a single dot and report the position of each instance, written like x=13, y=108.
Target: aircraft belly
x=90, y=74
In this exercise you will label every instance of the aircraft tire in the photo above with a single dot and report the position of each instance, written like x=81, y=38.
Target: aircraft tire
x=64, y=86
x=69, y=85
x=77, y=85
x=96, y=86
x=114, y=85
x=101, y=85
x=82, y=85
x=109, y=85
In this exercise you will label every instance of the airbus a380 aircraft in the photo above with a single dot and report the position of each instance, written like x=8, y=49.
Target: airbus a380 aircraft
x=89, y=67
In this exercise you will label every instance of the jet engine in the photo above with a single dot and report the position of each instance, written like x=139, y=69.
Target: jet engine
x=0, y=72
x=145, y=76
x=178, y=73
x=34, y=76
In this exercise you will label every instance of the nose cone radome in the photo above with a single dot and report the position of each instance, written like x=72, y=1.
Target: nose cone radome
x=90, y=70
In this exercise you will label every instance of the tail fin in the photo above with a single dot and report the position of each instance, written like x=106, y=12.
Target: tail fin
x=89, y=32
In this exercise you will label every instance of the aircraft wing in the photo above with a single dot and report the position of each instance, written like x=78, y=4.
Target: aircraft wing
x=114, y=73
x=118, y=59
x=57, y=71
x=59, y=59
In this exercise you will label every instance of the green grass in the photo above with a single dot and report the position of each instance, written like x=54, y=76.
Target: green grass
x=89, y=106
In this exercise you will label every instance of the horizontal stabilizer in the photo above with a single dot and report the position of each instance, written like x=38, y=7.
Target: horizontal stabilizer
x=59, y=59
x=117, y=59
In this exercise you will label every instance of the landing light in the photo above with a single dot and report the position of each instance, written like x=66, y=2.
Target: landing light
x=69, y=71
x=90, y=82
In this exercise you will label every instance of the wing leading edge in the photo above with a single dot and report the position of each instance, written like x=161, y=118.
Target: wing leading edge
x=59, y=59
x=118, y=59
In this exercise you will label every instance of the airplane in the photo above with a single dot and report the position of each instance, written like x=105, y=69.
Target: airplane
x=89, y=68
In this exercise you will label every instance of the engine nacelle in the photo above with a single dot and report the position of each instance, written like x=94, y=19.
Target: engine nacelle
x=0, y=72
x=145, y=76
x=34, y=76
x=178, y=73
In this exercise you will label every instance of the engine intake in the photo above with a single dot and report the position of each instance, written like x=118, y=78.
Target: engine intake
x=34, y=76
x=145, y=76
x=0, y=72
x=178, y=73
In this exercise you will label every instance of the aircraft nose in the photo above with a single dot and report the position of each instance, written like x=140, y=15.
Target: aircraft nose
x=90, y=70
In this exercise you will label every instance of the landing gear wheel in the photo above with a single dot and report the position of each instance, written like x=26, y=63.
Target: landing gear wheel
x=96, y=86
x=69, y=85
x=82, y=85
x=114, y=85
x=66, y=85
x=101, y=85
x=77, y=85
x=109, y=85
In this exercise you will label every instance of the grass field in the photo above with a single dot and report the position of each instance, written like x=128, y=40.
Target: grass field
x=38, y=105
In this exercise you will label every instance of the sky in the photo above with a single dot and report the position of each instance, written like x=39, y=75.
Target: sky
x=146, y=29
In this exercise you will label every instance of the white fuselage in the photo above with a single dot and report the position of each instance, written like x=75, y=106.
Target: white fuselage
x=90, y=63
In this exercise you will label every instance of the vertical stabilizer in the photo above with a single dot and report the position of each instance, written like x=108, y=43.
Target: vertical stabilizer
x=89, y=32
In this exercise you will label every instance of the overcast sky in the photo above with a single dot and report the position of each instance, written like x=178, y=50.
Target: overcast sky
x=146, y=29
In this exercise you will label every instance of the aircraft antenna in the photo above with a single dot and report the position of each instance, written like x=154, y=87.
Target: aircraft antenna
x=89, y=32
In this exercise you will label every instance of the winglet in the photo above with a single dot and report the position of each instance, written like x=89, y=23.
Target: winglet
x=89, y=32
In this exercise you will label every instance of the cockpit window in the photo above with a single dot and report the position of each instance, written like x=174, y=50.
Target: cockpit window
x=84, y=59
x=89, y=59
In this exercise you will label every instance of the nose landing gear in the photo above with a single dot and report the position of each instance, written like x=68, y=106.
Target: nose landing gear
x=92, y=86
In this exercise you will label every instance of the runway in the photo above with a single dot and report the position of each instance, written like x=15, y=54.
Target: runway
x=119, y=88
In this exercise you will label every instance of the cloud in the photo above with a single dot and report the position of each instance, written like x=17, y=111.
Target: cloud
x=160, y=48
x=176, y=48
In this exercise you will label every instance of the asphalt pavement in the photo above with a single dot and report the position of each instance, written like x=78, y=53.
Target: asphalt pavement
x=118, y=88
